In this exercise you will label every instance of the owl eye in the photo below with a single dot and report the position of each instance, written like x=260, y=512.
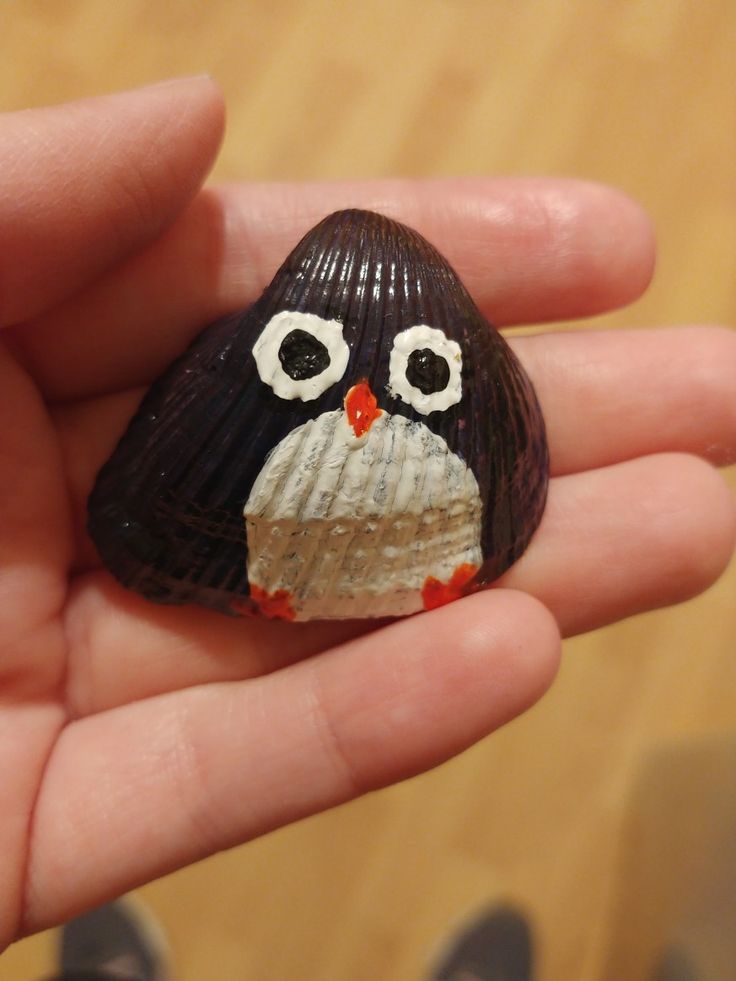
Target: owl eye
x=425, y=369
x=300, y=355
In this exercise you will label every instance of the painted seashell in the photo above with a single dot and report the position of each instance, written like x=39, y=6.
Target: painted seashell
x=358, y=443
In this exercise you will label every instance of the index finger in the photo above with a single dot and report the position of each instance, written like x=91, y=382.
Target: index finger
x=527, y=249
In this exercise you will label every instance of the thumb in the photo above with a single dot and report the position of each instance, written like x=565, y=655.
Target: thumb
x=84, y=184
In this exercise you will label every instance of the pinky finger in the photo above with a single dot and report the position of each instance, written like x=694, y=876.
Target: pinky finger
x=135, y=792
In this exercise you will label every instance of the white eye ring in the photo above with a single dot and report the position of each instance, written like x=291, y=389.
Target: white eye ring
x=267, y=349
x=417, y=339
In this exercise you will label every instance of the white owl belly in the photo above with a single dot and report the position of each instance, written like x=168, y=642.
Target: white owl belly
x=344, y=527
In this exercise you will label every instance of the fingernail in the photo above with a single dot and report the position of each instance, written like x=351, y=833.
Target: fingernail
x=181, y=80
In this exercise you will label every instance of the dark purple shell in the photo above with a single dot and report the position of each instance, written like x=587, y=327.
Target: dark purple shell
x=166, y=513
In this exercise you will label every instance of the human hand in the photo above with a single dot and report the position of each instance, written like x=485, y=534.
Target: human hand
x=135, y=739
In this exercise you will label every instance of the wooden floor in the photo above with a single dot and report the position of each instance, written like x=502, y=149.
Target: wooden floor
x=609, y=811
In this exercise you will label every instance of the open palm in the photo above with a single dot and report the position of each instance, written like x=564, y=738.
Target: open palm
x=134, y=738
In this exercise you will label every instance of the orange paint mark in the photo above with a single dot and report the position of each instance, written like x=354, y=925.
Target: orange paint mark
x=362, y=409
x=436, y=593
x=274, y=606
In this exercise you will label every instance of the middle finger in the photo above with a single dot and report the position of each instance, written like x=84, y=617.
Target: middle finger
x=607, y=396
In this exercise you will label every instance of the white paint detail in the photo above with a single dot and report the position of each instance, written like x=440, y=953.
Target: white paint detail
x=353, y=528
x=266, y=353
x=415, y=339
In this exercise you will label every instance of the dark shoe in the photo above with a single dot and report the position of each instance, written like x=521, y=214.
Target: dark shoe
x=495, y=946
x=674, y=965
x=119, y=941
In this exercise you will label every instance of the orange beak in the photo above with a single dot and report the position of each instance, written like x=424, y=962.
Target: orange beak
x=361, y=407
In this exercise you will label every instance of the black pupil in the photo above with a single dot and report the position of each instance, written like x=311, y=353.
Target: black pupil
x=302, y=355
x=427, y=371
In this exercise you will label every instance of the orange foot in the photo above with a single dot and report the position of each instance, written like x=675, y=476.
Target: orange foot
x=436, y=593
x=274, y=606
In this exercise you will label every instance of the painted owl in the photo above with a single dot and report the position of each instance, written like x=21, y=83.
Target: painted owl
x=358, y=443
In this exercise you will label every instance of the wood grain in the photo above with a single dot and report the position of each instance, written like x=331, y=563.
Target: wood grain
x=640, y=95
